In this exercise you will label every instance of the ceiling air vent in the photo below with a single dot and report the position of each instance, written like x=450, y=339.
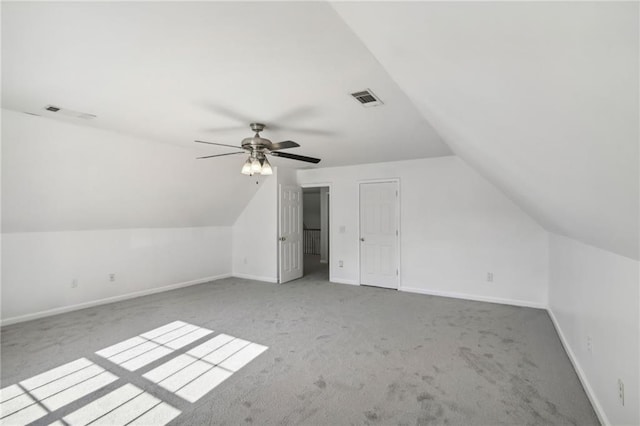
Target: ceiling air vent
x=68, y=112
x=367, y=98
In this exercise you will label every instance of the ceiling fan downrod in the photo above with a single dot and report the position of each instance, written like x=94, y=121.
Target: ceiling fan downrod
x=257, y=127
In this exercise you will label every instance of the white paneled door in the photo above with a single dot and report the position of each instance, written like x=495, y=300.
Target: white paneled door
x=290, y=233
x=379, y=234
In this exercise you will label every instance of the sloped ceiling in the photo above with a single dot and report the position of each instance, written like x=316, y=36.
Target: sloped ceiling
x=179, y=71
x=540, y=97
x=64, y=177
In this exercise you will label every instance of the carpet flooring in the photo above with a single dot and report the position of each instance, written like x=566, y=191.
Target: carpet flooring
x=323, y=354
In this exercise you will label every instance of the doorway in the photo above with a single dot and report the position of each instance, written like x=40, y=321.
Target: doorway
x=315, y=207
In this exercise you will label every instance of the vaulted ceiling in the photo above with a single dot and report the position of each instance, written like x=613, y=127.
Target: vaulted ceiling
x=541, y=98
x=179, y=71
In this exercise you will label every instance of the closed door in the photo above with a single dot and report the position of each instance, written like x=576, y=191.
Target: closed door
x=379, y=234
x=290, y=229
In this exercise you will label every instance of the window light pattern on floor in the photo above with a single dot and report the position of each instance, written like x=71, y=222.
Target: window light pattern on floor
x=200, y=370
x=39, y=395
x=141, y=350
x=127, y=405
x=189, y=375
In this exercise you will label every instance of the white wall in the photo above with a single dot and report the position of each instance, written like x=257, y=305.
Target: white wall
x=255, y=232
x=595, y=293
x=39, y=267
x=255, y=236
x=79, y=202
x=455, y=227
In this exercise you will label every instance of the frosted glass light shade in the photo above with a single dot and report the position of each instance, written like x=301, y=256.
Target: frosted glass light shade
x=266, y=168
x=255, y=166
x=246, y=168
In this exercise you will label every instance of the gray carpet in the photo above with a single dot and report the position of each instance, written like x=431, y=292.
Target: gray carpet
x=337, y=354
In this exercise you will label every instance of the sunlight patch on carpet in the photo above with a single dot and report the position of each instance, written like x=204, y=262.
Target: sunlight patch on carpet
x=142, y=350
x=195, y=373
x=37, y=396
x=189, y=374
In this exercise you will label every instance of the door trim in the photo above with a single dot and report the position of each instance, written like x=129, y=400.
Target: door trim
x=331, y=227
x=398, y=224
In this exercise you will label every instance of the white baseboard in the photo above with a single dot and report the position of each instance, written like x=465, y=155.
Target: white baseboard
x=466, y=296
x=581, y=375
x=84, y=305
x=343, y=281
x=254, y=277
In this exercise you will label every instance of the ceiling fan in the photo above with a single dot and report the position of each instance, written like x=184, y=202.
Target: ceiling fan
x=258, y=148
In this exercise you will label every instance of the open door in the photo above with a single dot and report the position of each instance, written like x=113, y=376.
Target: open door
x=290, y=233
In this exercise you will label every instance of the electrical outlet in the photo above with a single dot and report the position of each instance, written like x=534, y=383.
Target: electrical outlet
x=112, y=277
x=589, y=344
x=340, y=263
x=490, y=277
x=621, y=391
x=74, y=283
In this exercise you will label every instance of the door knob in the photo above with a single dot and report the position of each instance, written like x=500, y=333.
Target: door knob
x=282, y=238
x=361, y=239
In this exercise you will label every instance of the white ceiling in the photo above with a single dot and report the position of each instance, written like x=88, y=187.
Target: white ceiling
x=540, y=97
x=179, y=71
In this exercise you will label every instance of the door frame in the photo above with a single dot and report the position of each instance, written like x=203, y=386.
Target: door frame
x=331, y=236
x=398, y=224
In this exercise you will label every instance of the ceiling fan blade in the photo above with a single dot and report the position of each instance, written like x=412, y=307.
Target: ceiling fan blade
x=221, y=144
x=283, y=145
x=315, y=132
x=308, y=131
x=228, y=113
x=296, y=157
x=228, y=129
x=220, y=155
x=296, y=113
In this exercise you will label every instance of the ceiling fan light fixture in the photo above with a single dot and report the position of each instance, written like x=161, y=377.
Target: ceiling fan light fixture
x=246, y=168
x=257, y=147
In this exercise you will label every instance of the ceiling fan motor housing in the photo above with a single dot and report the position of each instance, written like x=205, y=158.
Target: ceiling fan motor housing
x=256, y=142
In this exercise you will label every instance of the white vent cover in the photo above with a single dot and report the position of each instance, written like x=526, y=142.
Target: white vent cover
x=68, y=112
x=367, y=98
